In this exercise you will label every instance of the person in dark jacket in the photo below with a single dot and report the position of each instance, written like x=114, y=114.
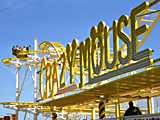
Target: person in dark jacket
x=132, y=110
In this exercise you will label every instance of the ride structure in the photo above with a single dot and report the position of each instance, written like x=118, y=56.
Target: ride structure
x=86, y=79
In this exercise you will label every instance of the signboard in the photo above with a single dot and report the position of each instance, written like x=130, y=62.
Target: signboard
x=96, y=63
x=14, y=117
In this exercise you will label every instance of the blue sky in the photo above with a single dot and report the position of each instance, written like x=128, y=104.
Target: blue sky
x=56, y=21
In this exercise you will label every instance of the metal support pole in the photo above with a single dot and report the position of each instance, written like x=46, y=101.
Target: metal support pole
x=76, y=115
x=17, y=86
x=101, y=109
x=25, y=115
x=117, y=110
x=68, y=113
x=35, y=76
x=152, y=99
x=62, y=114
x=157, y=104
x=93, y=113
x=28, y=116
x=118, y=106
x=52, y=112
x=149, y=105
x=23, y=81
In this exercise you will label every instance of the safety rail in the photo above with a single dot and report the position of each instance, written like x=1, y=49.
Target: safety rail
x=155, y=116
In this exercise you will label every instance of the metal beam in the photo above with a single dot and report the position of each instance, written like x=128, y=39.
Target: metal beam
x=118, y=106
x=17, y=86
x=35, y=76
x=24, y=80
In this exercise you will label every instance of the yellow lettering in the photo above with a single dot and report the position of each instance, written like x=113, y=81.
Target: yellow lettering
x=135, y=32
x=95, y=61
x=85, y=61
x=43, y=94
x=71, y=52
x=56, y=84
x=49, y=80
x=97, y=33
x=82, y=60
x=125, y=38
x=108, y=63
x=62, y=83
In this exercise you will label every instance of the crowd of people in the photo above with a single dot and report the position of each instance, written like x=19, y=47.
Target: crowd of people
x=17, y=49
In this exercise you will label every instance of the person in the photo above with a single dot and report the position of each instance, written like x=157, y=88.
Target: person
x=24, y=48
x=132, y=110
x=13, y=50
x=28, y=48
x=16, y=49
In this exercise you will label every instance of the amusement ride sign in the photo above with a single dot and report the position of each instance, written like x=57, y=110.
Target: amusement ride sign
x=88, y=61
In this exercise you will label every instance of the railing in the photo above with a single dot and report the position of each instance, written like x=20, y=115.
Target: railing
x=155, y=116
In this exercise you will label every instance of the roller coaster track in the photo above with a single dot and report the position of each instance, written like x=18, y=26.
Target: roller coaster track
x=59, y=49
